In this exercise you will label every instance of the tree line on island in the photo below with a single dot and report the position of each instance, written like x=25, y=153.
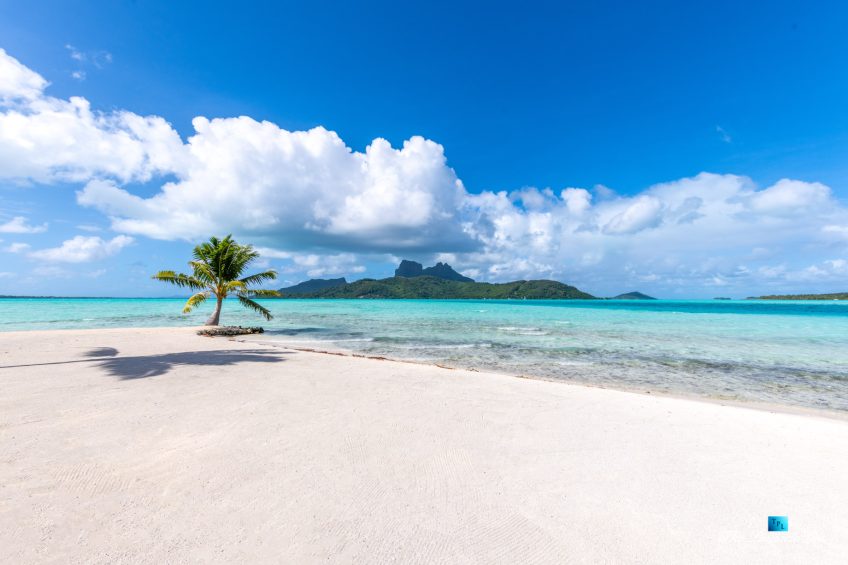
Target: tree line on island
x=831, y=296
x=413, y=280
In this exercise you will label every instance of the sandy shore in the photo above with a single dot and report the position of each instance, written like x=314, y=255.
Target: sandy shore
x=161, y=446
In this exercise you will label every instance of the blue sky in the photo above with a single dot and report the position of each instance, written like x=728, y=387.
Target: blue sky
x=546, y=140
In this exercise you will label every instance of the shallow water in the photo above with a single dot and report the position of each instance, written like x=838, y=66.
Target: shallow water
x=791, y=353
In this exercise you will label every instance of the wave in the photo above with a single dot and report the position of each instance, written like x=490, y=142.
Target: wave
x=443, y=346
x=518, y=330
x=330, y=340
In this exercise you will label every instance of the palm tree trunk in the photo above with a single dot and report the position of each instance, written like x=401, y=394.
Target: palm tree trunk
x=216, y=315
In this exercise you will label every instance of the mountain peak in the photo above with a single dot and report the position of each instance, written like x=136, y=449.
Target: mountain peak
x=410, y=269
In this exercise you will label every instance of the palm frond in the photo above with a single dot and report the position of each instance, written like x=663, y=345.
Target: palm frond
x=259, y=278
x=248, y=303
x=206, y=250
x=236, y=286
x=195, y=301
x=259, y=292
x=179, y=279
x=235, y=259
x=203, y=271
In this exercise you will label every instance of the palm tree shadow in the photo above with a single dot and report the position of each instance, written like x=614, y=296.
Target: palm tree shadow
x=101, y=352
x=143, y=366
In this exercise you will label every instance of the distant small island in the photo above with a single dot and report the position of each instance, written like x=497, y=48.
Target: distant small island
x=832, y=296
x=440, y=281
x=633, y=296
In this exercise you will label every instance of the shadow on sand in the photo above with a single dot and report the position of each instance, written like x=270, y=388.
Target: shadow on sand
x=143, y=366
x=101, y=352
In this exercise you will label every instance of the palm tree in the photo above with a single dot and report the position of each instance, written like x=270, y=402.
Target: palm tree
x=216, y=271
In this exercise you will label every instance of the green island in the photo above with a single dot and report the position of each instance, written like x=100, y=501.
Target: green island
x=633, y=296
x=411, y=280
x=832, y=296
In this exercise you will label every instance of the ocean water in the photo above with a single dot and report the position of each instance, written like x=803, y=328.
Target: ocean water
x=790, y=353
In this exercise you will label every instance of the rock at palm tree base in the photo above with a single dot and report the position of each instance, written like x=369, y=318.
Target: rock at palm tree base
x=226, y=331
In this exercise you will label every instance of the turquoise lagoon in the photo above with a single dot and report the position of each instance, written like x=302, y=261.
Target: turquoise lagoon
x=791, y=353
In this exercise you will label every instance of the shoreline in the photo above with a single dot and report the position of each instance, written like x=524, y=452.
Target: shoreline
x=792, y=409
x=749, y=404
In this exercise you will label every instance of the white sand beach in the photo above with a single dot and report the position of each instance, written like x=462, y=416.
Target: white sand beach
x=160, y=446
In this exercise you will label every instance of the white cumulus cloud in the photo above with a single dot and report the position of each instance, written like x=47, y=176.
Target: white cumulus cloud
x=791, y=196
x=82, y=249
x=16, y=248
x=305, y=188
x=313, y=264
x=638, y=214
x=46, y=139
x=19, y=224
x=17, y=82
x=693, y=232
